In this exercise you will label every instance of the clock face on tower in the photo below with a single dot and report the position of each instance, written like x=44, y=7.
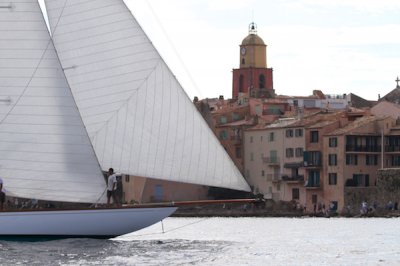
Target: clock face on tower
x=243, y=51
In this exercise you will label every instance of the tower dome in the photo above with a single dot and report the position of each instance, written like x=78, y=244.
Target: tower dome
x=253, y=38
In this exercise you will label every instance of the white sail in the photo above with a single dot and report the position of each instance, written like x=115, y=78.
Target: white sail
x=45, y=152
x=138, y=117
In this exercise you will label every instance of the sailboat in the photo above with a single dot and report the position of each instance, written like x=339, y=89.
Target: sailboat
x=91, y=95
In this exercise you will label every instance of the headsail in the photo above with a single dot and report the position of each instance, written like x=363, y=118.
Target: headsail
x=45, y=152
x=138, y=117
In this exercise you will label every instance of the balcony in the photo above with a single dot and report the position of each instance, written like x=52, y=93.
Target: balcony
x=312, y=159
x=312, y=185
x=272, y=161
x=275, y=178
x=392, y=148
x=363, y=148
x=293, y=179
x=236, y=140
x=312, y=163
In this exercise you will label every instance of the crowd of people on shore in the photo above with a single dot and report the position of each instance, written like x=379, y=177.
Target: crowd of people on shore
x=367, y=209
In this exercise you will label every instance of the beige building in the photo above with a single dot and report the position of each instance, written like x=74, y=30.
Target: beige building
x=273, y=156
x=353, y=157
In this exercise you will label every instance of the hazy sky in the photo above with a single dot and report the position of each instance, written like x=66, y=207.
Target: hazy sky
x=338, y=46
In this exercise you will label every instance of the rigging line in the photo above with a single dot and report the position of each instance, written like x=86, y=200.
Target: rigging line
x=160, y=120
x=176, y=228
x=89, y=10
x=114, y=136
x=92, y=27
x=184, y=120
x=123, y=138
x=169, y=121
x=140, y=87
x=143, y=123
x=176, y=88
x=49, y=42
x=133, y=134
x=94, y=18
x=175, y=50
x=153, y=114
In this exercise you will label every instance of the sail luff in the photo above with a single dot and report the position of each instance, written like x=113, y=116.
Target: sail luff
x=45, y=152
x=131, y=77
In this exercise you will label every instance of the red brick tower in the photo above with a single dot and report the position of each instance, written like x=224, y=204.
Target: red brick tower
x=253, y=77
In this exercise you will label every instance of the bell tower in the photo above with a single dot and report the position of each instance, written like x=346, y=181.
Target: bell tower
x=253, y=77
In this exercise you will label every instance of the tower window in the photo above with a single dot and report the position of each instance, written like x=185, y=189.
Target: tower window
x=241, y=83
x=261, y=81
x=243, y=61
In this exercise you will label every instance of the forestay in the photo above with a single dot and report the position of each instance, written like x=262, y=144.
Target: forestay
x=138, y=117
x=45, y=152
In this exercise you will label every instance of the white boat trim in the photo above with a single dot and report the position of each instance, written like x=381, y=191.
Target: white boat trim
x=91, y=223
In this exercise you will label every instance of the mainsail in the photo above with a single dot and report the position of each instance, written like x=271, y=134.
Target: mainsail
x=137, y=115
x=45, y=151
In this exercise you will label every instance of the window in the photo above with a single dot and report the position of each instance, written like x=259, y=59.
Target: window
x=241, y=81
x=223, y=135
x=127, y=178
x=251, y=139
x=262, y=173
x=251, y=156
x=243, y=61
x=295, y=194
x=223, y=120
x=371, y=159
x=238, y=152
x=289, y=133
x=361, y=180
x=351, y=159
x=289, y=152
x=395, y=160
x=158, y=192
x=314, y=198
x=261, y=81
x=271, y=136
x=298, y=132
x=273, y=154
x=235, y=116
x=332, y=142
x=313, y=179
x=332, y=178
x=332, y=159
x=312, y=158
x=299, y=152
x=314, y=136
x=261, y=138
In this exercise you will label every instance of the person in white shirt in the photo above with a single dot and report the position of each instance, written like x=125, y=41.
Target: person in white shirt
x=111, y=185
x=2, y=195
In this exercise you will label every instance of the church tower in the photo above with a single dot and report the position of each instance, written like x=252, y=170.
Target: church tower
x=253, y=77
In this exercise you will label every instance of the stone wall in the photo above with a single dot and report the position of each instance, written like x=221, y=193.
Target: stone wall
x=387, y=189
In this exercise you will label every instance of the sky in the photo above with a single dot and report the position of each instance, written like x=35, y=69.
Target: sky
x=341, y=46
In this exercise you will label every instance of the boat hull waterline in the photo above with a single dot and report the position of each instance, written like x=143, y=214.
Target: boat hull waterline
x=91, y=223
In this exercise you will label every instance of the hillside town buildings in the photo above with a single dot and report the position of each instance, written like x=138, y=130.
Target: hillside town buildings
x=313, y=151
x=308, y=150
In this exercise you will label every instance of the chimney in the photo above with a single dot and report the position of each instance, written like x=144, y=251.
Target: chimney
x=221, y=97
x=196, y=99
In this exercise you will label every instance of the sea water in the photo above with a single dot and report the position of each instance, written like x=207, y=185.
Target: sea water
x=226, y=241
